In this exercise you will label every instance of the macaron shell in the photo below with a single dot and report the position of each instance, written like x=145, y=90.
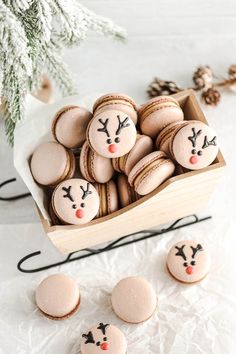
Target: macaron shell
x=50, y=163
x=127, y=194
x=112, y=197
x=163, y=138
x=149, y=179
x=95, y=167
x=175, y=262
x=67, y=210
x=142, y=147
x=159, y=119
x=69, y=126
x=57, y=295
x=181, y=146
x=115, y=338
x=134, y=300
x=98, y=139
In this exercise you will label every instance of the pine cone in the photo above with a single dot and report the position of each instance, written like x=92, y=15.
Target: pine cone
x=160, y=87
x=232, y=71
x=211, y=96
x=203, y=77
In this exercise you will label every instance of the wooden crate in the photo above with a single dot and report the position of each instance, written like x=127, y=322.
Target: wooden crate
x=177, y=197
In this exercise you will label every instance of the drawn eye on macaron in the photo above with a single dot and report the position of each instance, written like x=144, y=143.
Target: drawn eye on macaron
x=189, y=262
x=112, y=142
x=103, y=343
x=196, y=153
x=68, y=194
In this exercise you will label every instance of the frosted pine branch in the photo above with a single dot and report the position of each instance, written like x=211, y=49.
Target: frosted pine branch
x=33, y=34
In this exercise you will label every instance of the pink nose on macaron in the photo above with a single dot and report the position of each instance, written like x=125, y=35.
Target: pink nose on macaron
x=79, y=213
x=104, y=346
x=193, y=159
x=189, y=270
x=112, y=148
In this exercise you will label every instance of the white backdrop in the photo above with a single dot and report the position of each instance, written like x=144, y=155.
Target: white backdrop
x=168, y=39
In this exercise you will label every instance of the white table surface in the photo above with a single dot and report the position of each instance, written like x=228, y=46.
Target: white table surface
x=168, y=39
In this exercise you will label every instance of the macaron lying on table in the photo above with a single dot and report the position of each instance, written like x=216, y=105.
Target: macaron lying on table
x=103, y=337
x=58, y=297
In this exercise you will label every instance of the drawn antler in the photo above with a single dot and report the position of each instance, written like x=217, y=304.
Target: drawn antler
x=104, y=128
x=196, y=249
x=67, y=195
x=122, y=125
x=103, y=327
x=85, y=192
x=194, y=137
x=208, y=143
x=180, y=252
x=89, y=337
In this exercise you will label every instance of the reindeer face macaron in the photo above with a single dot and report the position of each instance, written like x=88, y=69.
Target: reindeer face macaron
x=188, y=261
x=75, y=201
x=103, y=338
x=111, y=133
x=194, y=145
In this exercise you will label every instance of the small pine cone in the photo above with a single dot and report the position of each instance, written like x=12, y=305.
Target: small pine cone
x=211, y=96
x=203, y=77
x=160, y=87
x=232, y=71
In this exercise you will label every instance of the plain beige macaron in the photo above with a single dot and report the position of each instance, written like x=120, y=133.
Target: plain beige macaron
x=69, y=126
x=134, y=300
x=58, y=297
x=51, y=163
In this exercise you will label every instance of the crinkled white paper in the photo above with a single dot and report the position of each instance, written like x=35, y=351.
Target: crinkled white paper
x=35, y=129
x=190, y=319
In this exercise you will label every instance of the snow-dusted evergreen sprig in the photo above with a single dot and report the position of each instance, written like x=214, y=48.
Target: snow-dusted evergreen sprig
x=33, y=34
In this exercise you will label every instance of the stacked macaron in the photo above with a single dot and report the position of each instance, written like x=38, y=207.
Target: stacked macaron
x=101, y=161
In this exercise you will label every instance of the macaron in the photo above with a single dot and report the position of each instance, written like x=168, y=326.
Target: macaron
x=93, y=167
x=163, y=138
x=69, y=126
x=103, y=337
x=58, y=297
x=188, y=261
x=194, y=145
x=118, y=102
x=51, y=163
x=150, y=172
x=127, y=194
x=134, y=300
x=142, y=147
x=108, y=198
x=157, y=113
x=75, y=201
x=111, y=133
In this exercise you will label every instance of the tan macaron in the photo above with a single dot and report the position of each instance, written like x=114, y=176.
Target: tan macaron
x=93, y=167
x=108, y=198
x=58, y=297
x=150, y=172
x=164, y=137
x=127, y=194
x=142, y=147
x=51, y=163
x=70, y=124
x=118, y=102
x=157, y=113
x=134, y=300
